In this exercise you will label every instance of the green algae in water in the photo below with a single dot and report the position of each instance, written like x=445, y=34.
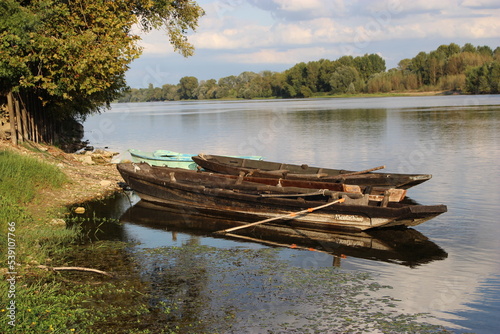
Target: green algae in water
x=206, y=289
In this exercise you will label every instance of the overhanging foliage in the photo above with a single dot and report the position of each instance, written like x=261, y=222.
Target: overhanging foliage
x=74, y=54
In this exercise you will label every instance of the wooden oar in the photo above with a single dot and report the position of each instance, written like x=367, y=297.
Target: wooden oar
x=324, y=192
x=362, y=171
x=287, y=216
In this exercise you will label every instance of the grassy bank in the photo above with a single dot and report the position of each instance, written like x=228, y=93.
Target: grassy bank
x=34, y=300
x=30, y=292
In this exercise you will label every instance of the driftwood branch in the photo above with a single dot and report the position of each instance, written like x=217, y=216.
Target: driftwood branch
x=76, y=269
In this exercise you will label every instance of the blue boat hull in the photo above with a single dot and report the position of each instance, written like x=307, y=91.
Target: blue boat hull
x=171, y=159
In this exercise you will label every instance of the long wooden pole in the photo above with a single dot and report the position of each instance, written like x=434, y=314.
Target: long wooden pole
x=287, y=216
x=362, y=171
x=12, y=118
x=19, y=120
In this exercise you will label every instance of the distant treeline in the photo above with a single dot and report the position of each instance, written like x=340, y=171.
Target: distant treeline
x=467, y=69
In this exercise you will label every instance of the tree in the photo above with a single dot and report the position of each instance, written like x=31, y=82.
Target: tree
x=419, y=66
x=404, y=64
x=485, y=50
x=296, y=78
x=74, y=54
x=227, y=87
x=345, y=80
x=188, y=87
x=368, y=65
x=207, y=89
x=468, y=47
x=327, y=67
x=484, y=79
x=170, y=92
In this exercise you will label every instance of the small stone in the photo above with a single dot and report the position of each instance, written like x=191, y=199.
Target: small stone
x=105, y=183
x=58, y=222
x=86, y=159
x=99, y=159
x=79, y=210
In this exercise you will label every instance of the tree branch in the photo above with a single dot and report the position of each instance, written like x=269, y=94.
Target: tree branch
x=76, y=269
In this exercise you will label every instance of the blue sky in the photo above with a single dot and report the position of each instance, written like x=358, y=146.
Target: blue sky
x=256, y=35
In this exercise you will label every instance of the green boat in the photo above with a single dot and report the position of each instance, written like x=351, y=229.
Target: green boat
x=171, y=159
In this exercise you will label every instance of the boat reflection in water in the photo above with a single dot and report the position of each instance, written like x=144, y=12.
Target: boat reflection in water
x=404, y=246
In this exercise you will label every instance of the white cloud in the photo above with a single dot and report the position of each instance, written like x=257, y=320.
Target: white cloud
x=155, y=42
x=380, y=20
x=299, y=5
x=481, y=3
x=448, y=28
x=297, y=10
x=277, y=56
x=236, y=38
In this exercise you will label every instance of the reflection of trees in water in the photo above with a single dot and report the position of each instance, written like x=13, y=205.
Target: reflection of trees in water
x=355, y=122
x=453, y=125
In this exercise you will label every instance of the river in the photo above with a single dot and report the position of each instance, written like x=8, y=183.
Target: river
x=454, y=138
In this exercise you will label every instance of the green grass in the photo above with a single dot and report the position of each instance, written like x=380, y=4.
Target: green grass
x=40, y=301
x=21, y=176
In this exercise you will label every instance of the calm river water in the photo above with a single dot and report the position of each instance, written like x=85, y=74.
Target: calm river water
x=454, y=138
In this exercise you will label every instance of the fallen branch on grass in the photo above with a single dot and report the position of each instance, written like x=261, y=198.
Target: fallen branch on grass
x=75, y=269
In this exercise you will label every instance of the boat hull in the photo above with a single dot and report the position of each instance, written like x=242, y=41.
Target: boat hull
x=234, y=166
x=164, y=158
x=211, y=194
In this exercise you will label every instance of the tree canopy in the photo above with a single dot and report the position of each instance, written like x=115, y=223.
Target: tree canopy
x=74, y=54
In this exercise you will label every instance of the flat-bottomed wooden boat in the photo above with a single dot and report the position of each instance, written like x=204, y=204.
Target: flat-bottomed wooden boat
x=261, y=168
x=209, y=192
x=170, y=158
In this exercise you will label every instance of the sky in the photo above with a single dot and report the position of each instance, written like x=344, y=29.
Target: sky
x=235, y=36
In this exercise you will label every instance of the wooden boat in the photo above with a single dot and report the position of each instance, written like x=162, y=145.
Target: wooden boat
x=405, y=246
x=298, y=207
x=233, y=166
x=163, y=158
x=375, y=193
x=170, y=158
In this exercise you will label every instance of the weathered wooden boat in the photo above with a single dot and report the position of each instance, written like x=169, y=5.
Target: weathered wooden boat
x=300, y=207
x=375, y=193
x=170, y=158
x=261, y=168
x=404, y=246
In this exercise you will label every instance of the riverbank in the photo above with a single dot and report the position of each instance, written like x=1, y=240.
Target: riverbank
x=90, y=176
x=38, y=184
